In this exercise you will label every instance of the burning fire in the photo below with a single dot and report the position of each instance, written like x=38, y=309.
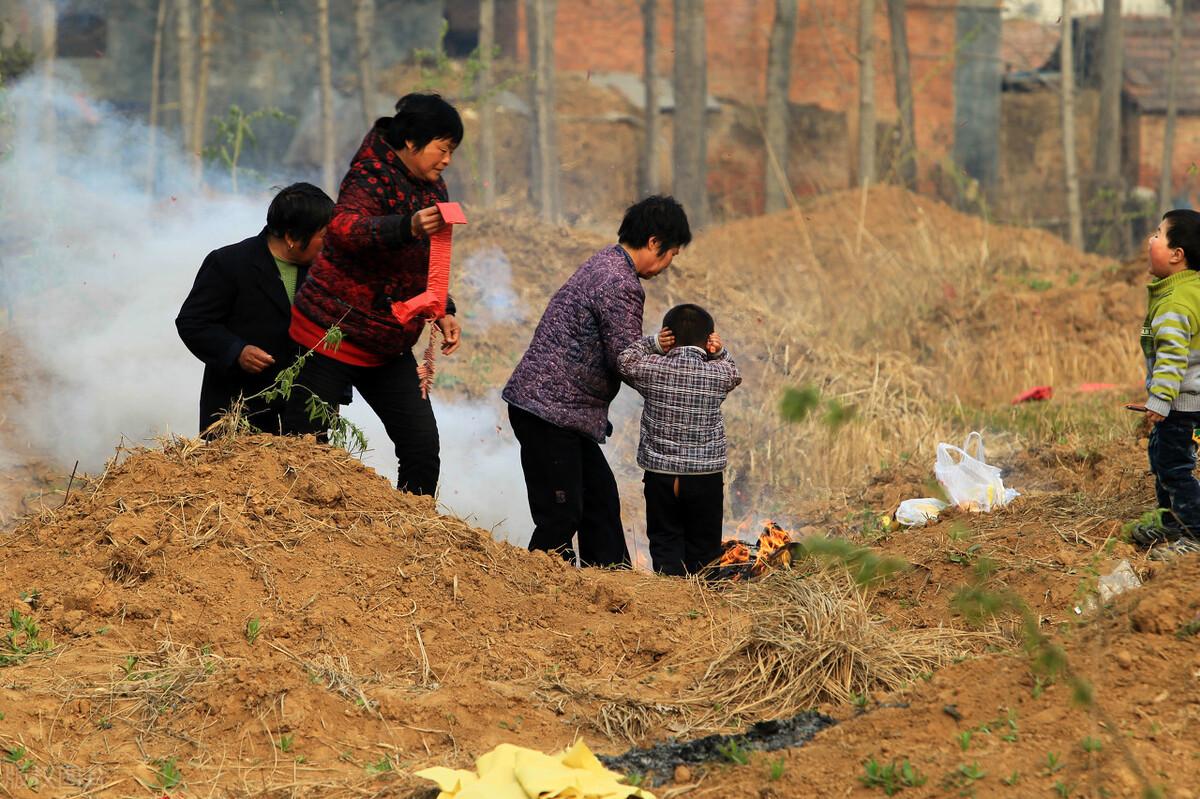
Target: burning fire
x=771, y=551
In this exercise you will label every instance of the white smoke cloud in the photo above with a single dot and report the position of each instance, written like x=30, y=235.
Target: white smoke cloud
x=93, y=270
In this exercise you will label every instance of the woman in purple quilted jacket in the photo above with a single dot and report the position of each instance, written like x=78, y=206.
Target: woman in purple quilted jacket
x=558, y=396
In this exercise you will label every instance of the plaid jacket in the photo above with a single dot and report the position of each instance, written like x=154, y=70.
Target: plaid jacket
x=682, y=430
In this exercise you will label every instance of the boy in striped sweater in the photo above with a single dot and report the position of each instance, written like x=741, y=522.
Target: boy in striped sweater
x=1171, y=343
x=684, y=373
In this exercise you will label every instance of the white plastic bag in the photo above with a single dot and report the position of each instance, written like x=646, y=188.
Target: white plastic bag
x=916, y=512
x=969, y=481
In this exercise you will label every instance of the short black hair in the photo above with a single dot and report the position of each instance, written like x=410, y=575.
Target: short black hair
x=657, y=216
x=421, y=118
x=691, y=324
x=299, y=211
x=1184, y=233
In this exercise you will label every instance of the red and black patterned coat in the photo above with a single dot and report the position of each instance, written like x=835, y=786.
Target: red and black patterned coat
x=371, y=258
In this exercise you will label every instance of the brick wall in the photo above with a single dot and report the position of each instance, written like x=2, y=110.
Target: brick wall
x=1185, y=160
x=606, y=35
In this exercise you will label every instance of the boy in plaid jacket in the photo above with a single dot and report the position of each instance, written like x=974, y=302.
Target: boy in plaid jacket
x=684, y=373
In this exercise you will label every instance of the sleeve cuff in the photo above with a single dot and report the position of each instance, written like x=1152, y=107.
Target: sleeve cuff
x=451, y=307
x=1158, y=405
x=655, y=346
x=230, y=361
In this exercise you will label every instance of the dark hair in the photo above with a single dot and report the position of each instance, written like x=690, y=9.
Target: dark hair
x=421, y=118
x=1184, y=233
x=299, y=211
x=691, y=324
x=657, y=216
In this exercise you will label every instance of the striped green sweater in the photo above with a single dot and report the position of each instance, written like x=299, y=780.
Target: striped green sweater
x=1171, y=343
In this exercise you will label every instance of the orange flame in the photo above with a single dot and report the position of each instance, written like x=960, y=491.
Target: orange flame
x=772, y=550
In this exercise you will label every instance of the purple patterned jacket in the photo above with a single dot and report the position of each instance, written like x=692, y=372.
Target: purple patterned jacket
x=568, y=376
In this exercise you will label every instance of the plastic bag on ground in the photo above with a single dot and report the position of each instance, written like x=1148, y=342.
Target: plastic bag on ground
x=970, y=482
x=916, y=512
x=1118, y=581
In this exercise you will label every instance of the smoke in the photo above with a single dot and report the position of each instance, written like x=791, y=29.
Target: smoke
x=93, y=269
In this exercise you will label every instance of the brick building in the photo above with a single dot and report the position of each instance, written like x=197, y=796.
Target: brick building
x=606, y=36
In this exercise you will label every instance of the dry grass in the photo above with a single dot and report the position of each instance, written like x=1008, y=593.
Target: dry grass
x=811, y=639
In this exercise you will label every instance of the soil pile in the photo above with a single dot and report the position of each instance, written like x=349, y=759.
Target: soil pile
x=270, y=613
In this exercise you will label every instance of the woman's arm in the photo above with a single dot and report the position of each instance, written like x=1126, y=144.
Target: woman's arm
x=359, y=221
x=202, y=318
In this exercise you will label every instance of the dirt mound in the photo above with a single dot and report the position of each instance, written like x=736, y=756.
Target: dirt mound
x=275, y=604
x=990, y=726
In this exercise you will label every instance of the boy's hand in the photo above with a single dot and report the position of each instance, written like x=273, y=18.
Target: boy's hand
x=1153, y=417
x=666, y=339
x=714, y=344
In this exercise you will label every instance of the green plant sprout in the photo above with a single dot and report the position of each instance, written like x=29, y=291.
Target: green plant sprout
x=253, y=628
x=892, y=778
x=735, y=752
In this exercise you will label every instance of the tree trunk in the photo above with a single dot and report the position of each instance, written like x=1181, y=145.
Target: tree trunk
x=866, y=92
x=1108, y=134
x=364, y=21
x=160, y=25
x=187, y=70
x=487, y=108
x=689, y=166
x=907, y=150
x=778, y=189
x=1168, y=153
x=201, y=112
x=544, y=140
x=325, y=59
x=651, y=115
x=49, y=49
x=1074, y=212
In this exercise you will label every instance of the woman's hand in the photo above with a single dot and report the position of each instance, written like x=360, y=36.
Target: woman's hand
x=253, y=359
x=427, y=221
x=451, y=333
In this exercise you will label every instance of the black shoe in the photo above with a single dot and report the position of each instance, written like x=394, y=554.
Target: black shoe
x=1173, y=549
x=1149, y=534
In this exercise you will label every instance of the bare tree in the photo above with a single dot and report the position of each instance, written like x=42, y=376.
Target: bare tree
x=651, y=116
x=1108, y=134
x=201, y=112
x=689, y=166
x=187, y=69
x=364, y=21
x=779, y=80
x=49, y=12
x=160, y=24
x=325, y=59
x=907, y=151
x=1168, y=153
x=487, y=108
x=544, y=140
x=866, y=92
x=1074, y=212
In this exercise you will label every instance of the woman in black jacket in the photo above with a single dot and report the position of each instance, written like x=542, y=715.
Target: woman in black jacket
x=236, y=317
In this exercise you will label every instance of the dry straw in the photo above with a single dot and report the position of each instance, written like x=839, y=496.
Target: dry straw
x=811, y=639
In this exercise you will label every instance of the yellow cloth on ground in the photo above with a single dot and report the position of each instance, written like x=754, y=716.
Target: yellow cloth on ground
x=514, y=772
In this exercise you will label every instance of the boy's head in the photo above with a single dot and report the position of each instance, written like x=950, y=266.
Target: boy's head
x=691, y=324
x=1175, y=245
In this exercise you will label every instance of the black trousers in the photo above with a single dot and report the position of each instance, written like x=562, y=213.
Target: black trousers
x=683, y=520
x=1173, y=462
x=394, y=393
x=571, y=490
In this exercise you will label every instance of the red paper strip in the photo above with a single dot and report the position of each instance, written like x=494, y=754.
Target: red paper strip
x=1034, y=394
x=431, y=303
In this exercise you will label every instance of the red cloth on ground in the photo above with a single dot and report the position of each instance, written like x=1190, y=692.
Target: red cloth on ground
x=1034, y=394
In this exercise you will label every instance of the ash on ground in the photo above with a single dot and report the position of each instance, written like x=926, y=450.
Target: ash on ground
x=658, y=762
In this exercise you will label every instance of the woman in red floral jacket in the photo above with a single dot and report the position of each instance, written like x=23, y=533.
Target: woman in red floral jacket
x=376, y=253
